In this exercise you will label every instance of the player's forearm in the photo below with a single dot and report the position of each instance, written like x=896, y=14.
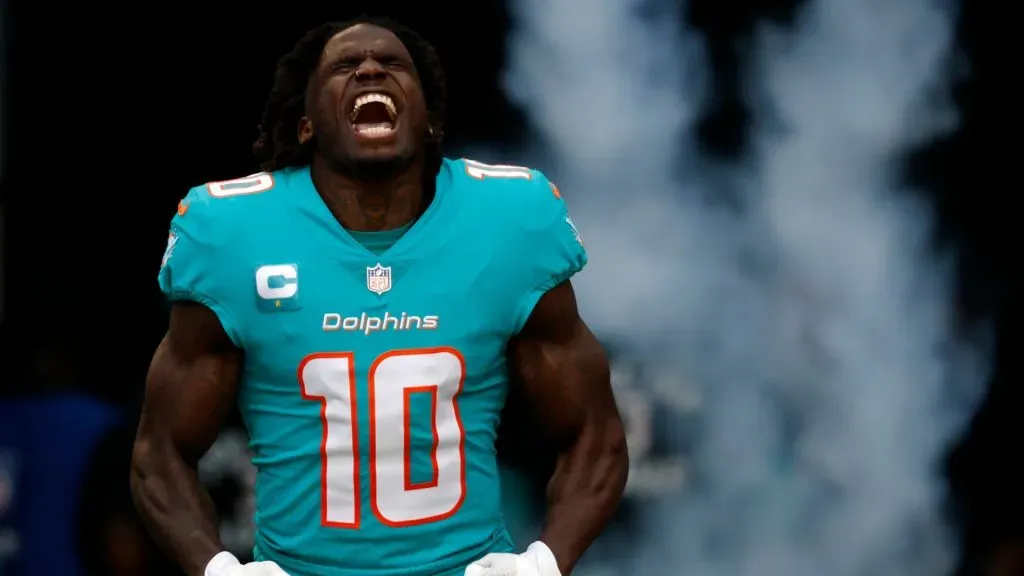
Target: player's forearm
x=176, y=508
x=585, y=490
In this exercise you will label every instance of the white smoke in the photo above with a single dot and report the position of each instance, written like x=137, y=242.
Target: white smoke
x=810, y=309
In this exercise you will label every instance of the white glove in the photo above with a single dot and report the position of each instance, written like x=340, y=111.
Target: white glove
x=536, y=561
x=225, y=564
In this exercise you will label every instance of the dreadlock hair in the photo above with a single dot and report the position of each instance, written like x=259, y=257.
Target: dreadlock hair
x=278, y=143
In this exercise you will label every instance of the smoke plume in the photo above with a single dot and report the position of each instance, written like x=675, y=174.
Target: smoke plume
x=810, y=310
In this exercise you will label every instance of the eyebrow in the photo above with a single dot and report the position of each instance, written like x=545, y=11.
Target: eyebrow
x=349, y=49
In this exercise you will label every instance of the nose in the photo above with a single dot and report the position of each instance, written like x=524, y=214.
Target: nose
x=370, y=69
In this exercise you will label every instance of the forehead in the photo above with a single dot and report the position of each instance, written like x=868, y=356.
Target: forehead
x=365, y=38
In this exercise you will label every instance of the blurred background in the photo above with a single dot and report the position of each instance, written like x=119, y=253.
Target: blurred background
x=800, y=220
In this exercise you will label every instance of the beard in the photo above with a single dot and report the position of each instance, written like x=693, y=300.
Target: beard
x=368, y=169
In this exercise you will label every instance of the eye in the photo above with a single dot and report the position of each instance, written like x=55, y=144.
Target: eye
x=345, y=65
x=393, y=63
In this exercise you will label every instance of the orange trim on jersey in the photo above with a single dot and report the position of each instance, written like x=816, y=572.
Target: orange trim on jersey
x=373, y=439
x=407, y=445
x=482, y=171
x=324, y=521
x=258, y=183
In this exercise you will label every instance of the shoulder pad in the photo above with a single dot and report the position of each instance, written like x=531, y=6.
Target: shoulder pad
x=200, y=263
x=522, y=196
x=529, y=212
x=211, y=213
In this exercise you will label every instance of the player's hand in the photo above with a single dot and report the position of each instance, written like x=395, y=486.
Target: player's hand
x=536, y=561
x=225, y=564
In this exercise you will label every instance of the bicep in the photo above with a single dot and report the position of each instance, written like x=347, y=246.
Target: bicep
x=562, y=367
x=192, y=382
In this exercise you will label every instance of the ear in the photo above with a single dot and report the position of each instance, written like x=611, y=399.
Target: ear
x=305, y=130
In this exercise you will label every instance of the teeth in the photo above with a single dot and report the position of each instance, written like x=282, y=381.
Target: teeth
x=374, y=97
x=374, y=129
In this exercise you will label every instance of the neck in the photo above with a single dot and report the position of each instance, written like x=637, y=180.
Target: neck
x=368, y=206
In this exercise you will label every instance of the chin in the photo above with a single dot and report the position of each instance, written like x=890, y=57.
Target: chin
x=374, y=158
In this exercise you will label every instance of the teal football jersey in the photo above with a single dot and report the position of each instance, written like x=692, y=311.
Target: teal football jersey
x=372, y=385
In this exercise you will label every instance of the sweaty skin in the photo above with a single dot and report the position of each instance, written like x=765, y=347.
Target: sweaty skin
x=565, y=377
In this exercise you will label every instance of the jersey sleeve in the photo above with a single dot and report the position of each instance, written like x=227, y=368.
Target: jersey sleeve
x=197, y=259
x=552, y=246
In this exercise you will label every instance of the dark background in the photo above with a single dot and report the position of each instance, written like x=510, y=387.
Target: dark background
x=112, y=113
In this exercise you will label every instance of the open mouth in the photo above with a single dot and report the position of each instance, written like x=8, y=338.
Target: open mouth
x=374, y=115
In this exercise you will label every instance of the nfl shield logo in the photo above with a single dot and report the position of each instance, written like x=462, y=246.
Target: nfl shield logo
x=378, y=279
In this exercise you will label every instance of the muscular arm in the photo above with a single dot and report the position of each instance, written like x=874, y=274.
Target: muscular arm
x=565, y=376
x=191, y=385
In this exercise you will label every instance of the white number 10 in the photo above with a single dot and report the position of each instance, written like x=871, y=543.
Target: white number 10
x=394, y=377
x=481, y=171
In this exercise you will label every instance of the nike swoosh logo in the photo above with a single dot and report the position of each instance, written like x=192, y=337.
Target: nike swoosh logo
x=182, y=208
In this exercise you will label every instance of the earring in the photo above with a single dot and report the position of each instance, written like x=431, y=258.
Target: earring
x=305, y=136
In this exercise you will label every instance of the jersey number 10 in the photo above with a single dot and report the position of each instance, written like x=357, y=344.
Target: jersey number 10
x=393, y=378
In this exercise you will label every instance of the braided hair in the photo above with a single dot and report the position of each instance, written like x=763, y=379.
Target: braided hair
x=278, y=143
